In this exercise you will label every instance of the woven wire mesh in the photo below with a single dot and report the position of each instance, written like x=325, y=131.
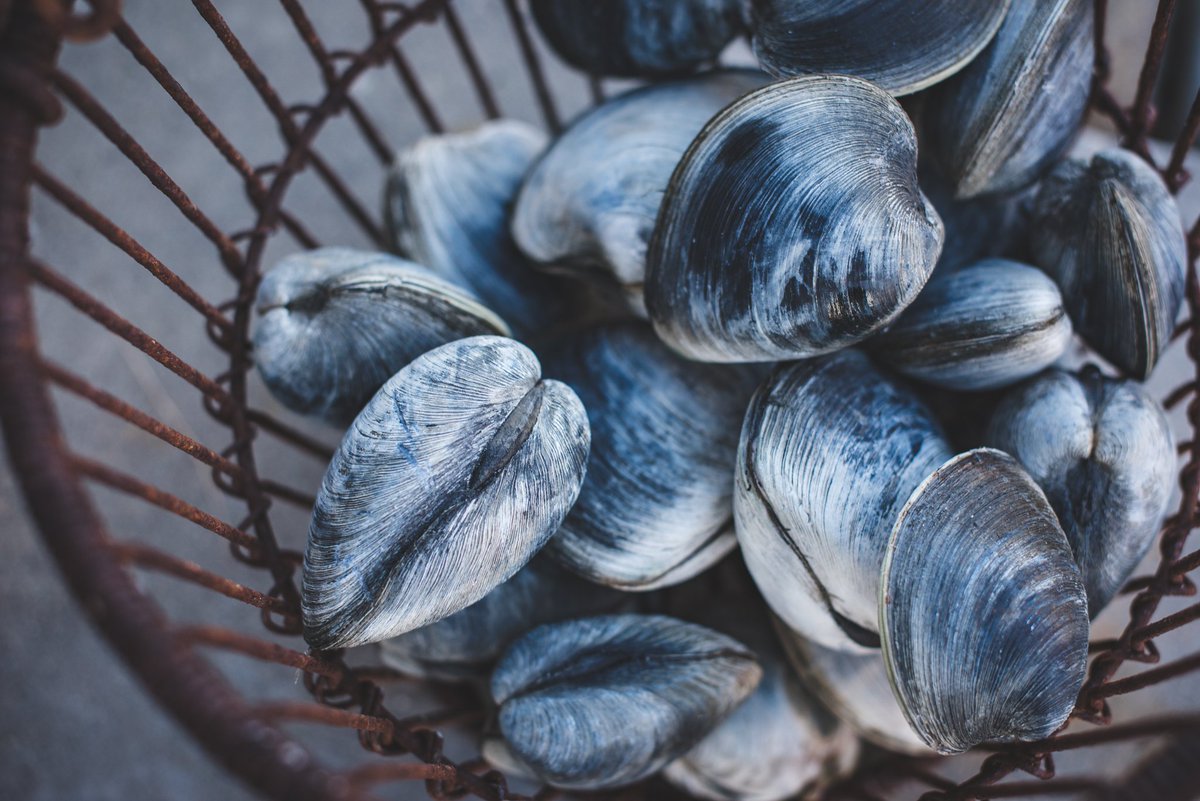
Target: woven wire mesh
x=177, y=661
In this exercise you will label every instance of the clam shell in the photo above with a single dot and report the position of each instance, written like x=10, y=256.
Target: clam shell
x=656, y=507
x=990, y=226
x=780, y=743
x=792, y=227
x=1005, y=119
x=465, y=645
x=335, y=323
x=829, y=452
x=1110, y=234
x=1103, y=453
x=447, y=483
x=447, y=205
x=606, y=701
x=900, y=46
x=986, y=326
x=856, y=688
x=588, y=207
x=637, y=38
x=983, y=613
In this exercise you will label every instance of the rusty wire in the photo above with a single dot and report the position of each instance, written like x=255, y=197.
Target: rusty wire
x=31, y=92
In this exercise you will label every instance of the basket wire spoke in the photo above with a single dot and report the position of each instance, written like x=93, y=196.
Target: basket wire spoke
x=246, y=737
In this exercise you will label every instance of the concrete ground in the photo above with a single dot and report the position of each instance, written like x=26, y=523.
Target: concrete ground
x=73, y=723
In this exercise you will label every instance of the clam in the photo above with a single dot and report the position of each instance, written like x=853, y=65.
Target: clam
x=900, y=46
x=447, y=483
x=856, y=688
x=638, y=38
x=986, y=326
x=780, y=743
x=334, y=324
x=606, y=701
x=1109, y=233
x=1102, y=451
x=793, y=226
x=829, y=452
x=588, y=207
x=655, y=508
x=447, y=205
x=1005, y=119
x=464, y=645
x=982, y=612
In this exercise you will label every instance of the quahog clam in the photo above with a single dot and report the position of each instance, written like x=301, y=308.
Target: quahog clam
x=606, y=701
x=638, y=38
x=979, y=573
x=655, y=508
x=985, y=326
x=465, y=645
x=1005, y=119
x=781, y=742
x=856, y=687
x=1109, y=233
x=588, y=206
x=897, y=44
x=447, y=205
x=451, y=478
x=829, y=451
x=1102, y=451
x=793, y=226
x=336, y=323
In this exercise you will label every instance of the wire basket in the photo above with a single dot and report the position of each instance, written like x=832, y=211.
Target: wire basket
x=108, y=570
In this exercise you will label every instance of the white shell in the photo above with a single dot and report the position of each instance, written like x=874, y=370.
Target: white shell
x=793, y=226
x=982, y=610
x=588, y=206
x=447, y=483
x=1103, y=453
x=829, y=452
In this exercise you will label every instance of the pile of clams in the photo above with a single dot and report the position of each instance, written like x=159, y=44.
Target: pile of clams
x=715, y=530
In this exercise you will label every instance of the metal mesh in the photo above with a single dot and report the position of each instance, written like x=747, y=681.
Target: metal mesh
x=172, y=658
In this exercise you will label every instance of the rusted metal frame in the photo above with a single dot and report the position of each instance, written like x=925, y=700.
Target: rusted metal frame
x=483, y=89
x=227, y=640
x=1146, y=678
x=175, y=675
x=255, y=189
x=290, y=435
x=92, y=216
x=283, y=115
x=156, y=496
x=404, y=72
x=353, y=207
x=149, y=558
x=1176, y=174
x=1169, y=623
x=104, y=122
x=126, y=330
x=378, y=772
x=1142, y=114
x=320, y=53
x=1056, y=787
x=327, y=716
x=1101, y=98
x=533, y=65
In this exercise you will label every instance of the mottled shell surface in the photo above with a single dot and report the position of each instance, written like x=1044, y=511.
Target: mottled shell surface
x=454, y=475
x=1103, y=453
x=986, y=326
x=465, y=645
x=656, y=506
x=900, y=45
x=856, y=688
x=983, y=613
x=334, y=324
x=638, y=38
x=606, y=701
x=447, y=204
x=780, y=743
x=1109, y=233
x=1005, y=119
x=793, y=226
x=588, y=207
x=829, y=452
